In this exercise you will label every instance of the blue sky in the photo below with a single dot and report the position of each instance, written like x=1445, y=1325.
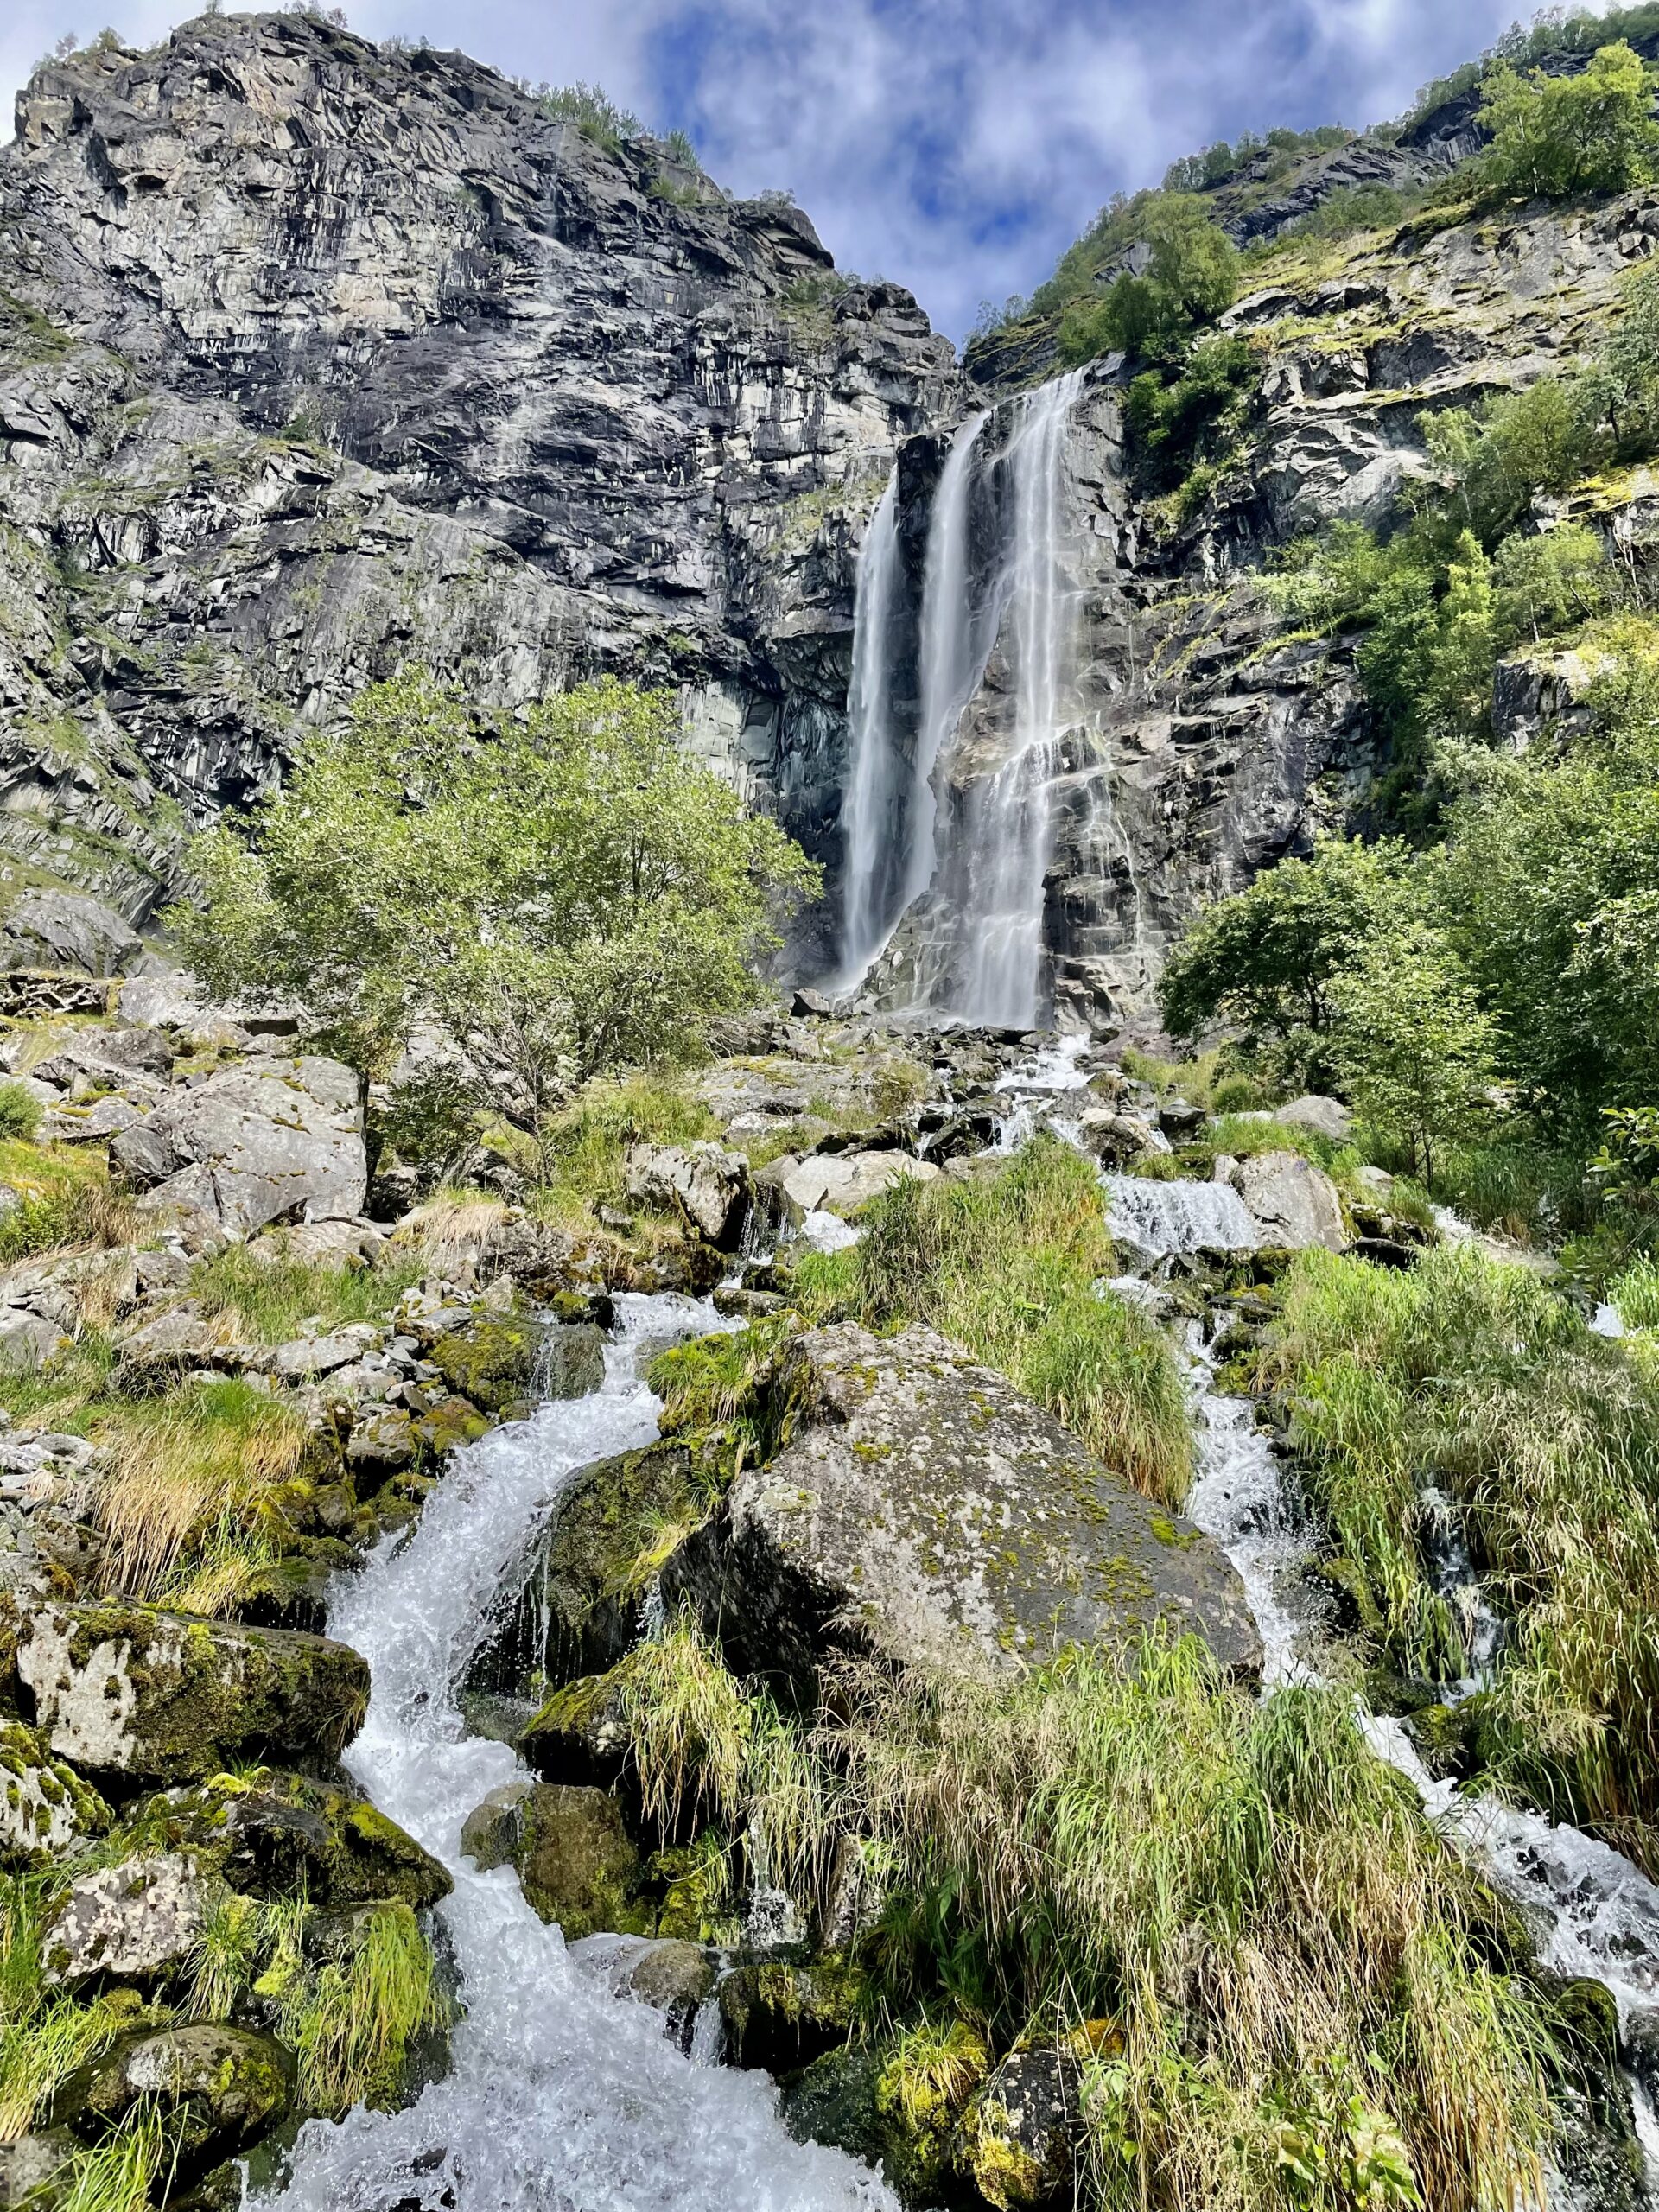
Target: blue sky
x=956, y=146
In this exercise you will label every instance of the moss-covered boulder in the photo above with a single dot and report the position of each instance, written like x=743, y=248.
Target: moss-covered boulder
x=577, y=1607
x=138, y=1695
x=138, y=1921
x=216, y=2088
x=576, y=1863
x=35, y=2170
x=925, y=1510
x=927, y=2077
x=491, y=1358
x=44, y=1807
x=780, y=2015
x=287, y=1835
x=833, y=2101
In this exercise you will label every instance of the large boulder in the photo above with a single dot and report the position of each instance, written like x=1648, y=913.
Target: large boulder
x=1293, y=1202
x=926, y=1510
x=576, y=1863
x=1327, y=1117
x=1021, y=2133
x=66, y=928
x=289, y=1835
x=44, y=1807
x=140, y=1696
x=837, y=1182
x=706, y=1184
x=217, y=2088
x=276, y=1141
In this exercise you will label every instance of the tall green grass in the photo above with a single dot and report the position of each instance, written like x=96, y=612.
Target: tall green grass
x=1480, y=1379
x=1007, y=1265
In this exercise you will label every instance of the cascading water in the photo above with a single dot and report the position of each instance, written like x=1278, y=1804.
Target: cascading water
x=873, y=867
x=1007, y=832
x=956, y=642
x=561, y=2097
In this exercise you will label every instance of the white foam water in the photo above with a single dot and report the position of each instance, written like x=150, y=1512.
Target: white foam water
x=561, y=2096
x=1160, y=1221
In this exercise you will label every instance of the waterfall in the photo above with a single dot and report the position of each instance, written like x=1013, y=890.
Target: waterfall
x=1007, y=826
x=873, y=867
x=560, y=2094
x=954, y=643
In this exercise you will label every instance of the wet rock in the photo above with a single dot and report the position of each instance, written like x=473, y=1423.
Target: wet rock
x=489, y=1358
x=1327, y=1117
x=289, y=1835
x=138, y=1922
x=254, y=1145
x=1021, y=2131
x=217, y=2088
x=833, y=2101
x=673, y=1977
x=66, y=929
x=706, y=1184
x=926, y=1510
x=575, y=1862
x=780, y=2015
x=1293, y=1202
x=139, y=1695
x=838, y=1182
x=44, y=1807
x=1113, y=1138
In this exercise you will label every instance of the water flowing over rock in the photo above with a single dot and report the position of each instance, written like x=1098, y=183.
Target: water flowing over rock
x=1158, y=1220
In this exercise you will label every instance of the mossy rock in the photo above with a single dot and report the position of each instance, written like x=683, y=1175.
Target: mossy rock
x=453, y=1421
x=1019, y=2135
x=926, y=2082
x=576, y=1862
x=44, y=1807
x=285, y=1835
x=695, y=1907
x=217, y=2088
x=491, y=1359
x=145, y=1696
x=780, y=2015
x=578, y=1608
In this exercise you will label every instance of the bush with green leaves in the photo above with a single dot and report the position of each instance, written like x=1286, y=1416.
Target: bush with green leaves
x=563, y=890
x=1185, y=426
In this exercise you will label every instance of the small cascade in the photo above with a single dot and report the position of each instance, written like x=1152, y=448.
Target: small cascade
x=1161, y=1220
x=1047, y=1091
x=1006, y=833
x=562, y=2096
x=873, y=818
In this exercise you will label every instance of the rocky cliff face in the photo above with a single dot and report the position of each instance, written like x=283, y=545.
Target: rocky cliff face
x=317, y=360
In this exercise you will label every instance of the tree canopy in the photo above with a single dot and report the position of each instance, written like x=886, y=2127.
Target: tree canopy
x=563, y=891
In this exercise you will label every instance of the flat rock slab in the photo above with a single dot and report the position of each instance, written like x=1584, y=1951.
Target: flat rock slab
x=837, y=1182
x=928, y=1512
x=276, y=1141
x=131, y=1694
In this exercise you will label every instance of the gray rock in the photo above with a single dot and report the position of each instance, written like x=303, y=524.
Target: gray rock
x=168, y=1345
x=1021, y=2130
x=27, y=1342
x=927, y=1511
x=30, y=2165
x=168, y=1001
x=66, y=929
x=838, y=1182
x=139, y=1920
x=320, y=1243
x=254, y=1145
x=1329, y=1117
x=1293, y=1202
x=312, y=1356
x=110, y=1056
x=104, y=1118
x=706, y=1184
x=138, y=1695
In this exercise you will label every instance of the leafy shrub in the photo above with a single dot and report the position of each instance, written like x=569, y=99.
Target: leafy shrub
x=1190, y=277
x=1556, y=135
x=20, y=1114
x=593, y=112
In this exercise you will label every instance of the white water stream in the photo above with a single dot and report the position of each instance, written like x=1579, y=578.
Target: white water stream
x=873, y=868
x=561, y=2096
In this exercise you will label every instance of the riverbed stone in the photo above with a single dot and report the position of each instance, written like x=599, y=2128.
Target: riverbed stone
x=139, y=1695
x=928, y=1512
x=576, y=1863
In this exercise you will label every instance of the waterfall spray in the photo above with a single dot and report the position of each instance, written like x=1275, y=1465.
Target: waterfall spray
x=873, y=867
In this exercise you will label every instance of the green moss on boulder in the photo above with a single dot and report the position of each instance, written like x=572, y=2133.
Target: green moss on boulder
x=780, y=2015
x=44, y=1807
x=576, y=1863
x=490, y=1359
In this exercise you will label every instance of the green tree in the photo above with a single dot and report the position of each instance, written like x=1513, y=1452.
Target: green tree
x=1264, y=961
x=1554, y=137
x=563, y=891
x=1191, y=276
x=1548, y=582
x=1414, y=1052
